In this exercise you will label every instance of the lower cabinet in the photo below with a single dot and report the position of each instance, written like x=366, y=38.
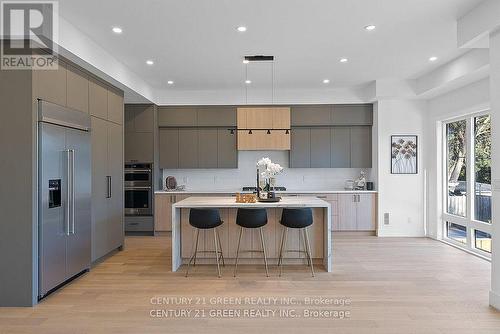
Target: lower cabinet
x=163, y=211
x=356, y=212
x=107, y=187
x=351, y=212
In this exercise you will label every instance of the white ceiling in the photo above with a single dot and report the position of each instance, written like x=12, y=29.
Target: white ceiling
x=195, y=43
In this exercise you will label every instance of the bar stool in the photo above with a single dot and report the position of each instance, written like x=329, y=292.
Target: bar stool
x=251, y=218
x=205, y=219
x=297, y=219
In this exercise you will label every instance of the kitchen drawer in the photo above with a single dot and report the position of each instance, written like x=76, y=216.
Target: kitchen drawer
x=139, y=224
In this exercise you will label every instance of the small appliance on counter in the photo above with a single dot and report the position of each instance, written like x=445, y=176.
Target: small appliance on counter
x=370, y=186
x=170, y=183
x=349, y=185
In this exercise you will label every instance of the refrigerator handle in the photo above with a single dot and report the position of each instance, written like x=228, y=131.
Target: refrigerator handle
x=72, y=153
x=68, y=192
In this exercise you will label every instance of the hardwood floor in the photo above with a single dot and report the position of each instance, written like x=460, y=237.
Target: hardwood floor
x=396, y=285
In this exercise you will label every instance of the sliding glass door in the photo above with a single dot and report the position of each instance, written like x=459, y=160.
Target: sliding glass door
x=467, y=210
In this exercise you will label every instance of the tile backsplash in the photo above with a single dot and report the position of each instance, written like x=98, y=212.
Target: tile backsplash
x=245, y=175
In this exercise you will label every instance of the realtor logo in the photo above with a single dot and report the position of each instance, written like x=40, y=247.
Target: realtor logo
x=29, y=32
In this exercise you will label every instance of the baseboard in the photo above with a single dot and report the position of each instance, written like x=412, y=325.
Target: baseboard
x=495, y=300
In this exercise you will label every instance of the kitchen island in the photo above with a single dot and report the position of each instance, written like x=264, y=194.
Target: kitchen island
x=319, y=232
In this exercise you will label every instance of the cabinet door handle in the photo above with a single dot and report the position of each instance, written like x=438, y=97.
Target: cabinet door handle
x=322, y=197
x=359, y=198
x=108, y=180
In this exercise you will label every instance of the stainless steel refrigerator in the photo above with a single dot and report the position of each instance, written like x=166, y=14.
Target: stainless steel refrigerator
x=64, y=195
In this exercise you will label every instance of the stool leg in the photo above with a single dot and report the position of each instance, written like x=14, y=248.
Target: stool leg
x=196, y=247
x=216, y=252
x=195, y=251
x=309, y=251
x=264, y=250
x=305, y=248
x=220, y=247
x=237, y=252
x=283, y=249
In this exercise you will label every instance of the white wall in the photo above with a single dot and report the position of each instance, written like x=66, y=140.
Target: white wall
x=402, y=196
x=466, y=100
x=245, y=175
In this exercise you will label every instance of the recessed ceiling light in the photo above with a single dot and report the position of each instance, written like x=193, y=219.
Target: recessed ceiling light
x=117, y=30
x=242, y=29
x=245, y=61
x=344, y=60
x=170, y=82
x=370, y=27
x=433, y=58
x=150, y=62
x=248, y=82
x=326, y=81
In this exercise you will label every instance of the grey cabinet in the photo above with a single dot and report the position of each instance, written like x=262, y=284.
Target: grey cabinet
x=107, y=187
x=207, y=148
x=332, y=147
x=361, y=147
x=216, y=116
x=116, y=191
x=197, y=148
x=188, y=148
x=300, y=152
x=340, y=147
x=139, y=133
x=352, y=114
x=356, y=212
x=177, y=116
x=320, y=148
x=169, y=148
x=139, y=147
x=139, y=118
x=311, y=115
x=227, y=152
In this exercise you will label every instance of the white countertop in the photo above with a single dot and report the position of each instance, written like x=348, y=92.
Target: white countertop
x=224, y=192
x=230, y=202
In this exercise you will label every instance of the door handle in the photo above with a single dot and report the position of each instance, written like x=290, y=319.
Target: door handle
x=68, y=191
x=72, y=180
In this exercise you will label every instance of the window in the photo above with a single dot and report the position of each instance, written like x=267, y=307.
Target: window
x=467, y=188
x=482, y=165
x=456, y=232
x=457, y=164
x=482, y=241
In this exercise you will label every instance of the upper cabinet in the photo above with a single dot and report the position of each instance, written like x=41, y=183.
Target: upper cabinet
x=196, y=116
x=311, y=115
x=98, y=99
x=77, y=87
x=332, y=115
x=115, y=106
x=177, y=116
x=352, y=114
x=216, y=116
x=50, y=85
x=263, y=128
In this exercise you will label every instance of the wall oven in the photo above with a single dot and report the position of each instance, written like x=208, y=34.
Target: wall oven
x=138, y=189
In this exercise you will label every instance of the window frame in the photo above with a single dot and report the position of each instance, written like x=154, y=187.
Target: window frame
x=469, y=221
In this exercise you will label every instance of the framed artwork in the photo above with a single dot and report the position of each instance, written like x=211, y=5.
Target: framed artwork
x=404, y=154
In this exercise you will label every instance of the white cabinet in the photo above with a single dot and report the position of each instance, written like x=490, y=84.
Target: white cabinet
x=356, y=212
